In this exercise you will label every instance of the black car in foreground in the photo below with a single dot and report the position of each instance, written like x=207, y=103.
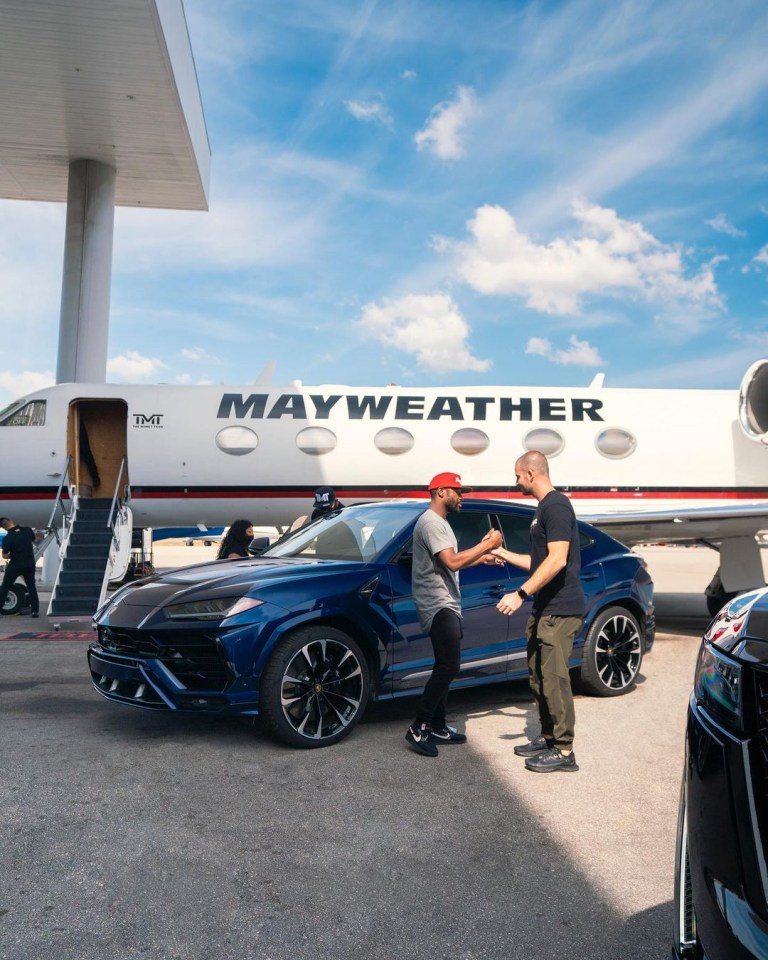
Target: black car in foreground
x=721, y=881
x=308, y=632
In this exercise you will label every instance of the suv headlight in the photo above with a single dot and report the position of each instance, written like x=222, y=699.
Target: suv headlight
x=718, y=685
x=217, y=608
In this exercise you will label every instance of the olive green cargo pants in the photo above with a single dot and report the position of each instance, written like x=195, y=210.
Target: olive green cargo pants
x=550, y=642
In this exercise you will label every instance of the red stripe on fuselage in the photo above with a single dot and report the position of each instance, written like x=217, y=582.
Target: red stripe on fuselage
x=384, y=493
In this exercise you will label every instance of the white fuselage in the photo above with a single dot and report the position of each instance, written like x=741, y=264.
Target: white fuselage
x=214, y=454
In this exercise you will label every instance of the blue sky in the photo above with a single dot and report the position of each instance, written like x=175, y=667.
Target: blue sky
x=443, y=192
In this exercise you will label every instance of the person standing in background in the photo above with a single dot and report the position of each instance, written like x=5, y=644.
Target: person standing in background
x=19, y=551
x=236, y=541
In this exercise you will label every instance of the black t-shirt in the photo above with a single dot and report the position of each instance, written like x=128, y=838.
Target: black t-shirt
x=18, y=543
x=556, y=521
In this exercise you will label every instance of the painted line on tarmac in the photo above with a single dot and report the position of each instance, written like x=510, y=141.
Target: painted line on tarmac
x=52, y=635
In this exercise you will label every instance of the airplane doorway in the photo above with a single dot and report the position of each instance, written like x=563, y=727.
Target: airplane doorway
x=97, y=442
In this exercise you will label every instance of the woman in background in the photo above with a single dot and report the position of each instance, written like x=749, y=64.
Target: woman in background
x=236, y=541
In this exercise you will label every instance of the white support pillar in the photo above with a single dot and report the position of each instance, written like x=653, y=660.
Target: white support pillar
x=86, y=284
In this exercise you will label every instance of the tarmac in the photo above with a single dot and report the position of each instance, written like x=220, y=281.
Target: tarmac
x=131, y=834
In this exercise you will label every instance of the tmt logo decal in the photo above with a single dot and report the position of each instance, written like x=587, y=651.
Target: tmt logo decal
x=148, y=421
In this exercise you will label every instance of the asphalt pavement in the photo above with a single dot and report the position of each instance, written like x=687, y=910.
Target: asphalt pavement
x=128, y=834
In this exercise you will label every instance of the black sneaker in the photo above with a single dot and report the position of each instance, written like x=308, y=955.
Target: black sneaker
x=448, y=735
x=420, y=739
x=534, y=747
x=35, y=616
x=552, y=760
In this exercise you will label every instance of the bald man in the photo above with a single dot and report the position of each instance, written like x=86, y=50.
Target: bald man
x=558, y=610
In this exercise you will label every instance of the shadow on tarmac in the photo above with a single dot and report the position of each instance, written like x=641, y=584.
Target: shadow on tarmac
x=129, y=834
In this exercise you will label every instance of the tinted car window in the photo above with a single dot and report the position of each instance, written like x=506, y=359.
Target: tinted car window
x=584, y=539
x=469, y=527
x=516, y=530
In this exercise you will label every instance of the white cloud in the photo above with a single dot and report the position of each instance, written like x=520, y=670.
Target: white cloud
x=539, y=346
x=196, y=354
x=579, y=354
x=408, y=75
x=762, y=256
x=429, y=326
x=611, y=257
x=444, y=129
x=19, y=384
x=722, y=224
x=370, y=111
x=132, y=366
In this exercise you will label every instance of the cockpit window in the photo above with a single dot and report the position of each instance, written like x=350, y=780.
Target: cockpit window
x=32, y=414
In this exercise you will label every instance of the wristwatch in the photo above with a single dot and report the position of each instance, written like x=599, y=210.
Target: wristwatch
x=522, y=594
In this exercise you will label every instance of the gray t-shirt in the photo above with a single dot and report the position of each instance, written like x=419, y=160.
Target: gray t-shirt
x=434, y=586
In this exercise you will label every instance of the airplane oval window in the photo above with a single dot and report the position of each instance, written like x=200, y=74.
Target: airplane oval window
x=546, y=441
x=236, y=441
x=393, y=441
x=316, y=440
x=469, y=441
x=615, y=443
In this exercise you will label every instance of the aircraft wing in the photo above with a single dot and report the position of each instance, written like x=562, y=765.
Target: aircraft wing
x=685, y=525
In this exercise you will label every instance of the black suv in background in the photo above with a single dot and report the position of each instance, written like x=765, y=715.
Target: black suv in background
x=721, y=881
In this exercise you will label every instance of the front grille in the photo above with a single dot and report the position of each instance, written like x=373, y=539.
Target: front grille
x=195, y=659
x=688, y=932
x=760, y=755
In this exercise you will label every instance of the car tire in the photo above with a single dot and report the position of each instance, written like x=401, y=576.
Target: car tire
x=314, y=688
x=613, y=653
x=14, y=601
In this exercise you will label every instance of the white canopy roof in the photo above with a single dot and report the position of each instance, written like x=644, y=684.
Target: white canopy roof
x=106, y=80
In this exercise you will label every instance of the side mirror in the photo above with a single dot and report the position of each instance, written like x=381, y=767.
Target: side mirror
x=258, y=545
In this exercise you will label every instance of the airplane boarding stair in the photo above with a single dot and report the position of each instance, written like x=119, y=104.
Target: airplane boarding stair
x=79, y=584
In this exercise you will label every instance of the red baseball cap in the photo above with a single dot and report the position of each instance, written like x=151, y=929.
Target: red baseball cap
x=452, y=480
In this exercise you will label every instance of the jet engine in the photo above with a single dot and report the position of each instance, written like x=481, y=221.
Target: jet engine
x=753, y=402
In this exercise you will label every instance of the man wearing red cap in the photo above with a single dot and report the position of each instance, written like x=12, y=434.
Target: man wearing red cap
x=435, y=578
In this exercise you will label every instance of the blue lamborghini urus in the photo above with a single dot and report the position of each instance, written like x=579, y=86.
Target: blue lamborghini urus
x=305, y=634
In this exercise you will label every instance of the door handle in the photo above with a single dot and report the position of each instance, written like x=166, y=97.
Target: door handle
x=495, y=591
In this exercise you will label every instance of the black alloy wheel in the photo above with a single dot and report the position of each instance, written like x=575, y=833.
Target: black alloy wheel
x=613, y=652
x=314, y=688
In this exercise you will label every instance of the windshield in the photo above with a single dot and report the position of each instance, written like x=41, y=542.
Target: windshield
x=354, y=533
x=31, y=414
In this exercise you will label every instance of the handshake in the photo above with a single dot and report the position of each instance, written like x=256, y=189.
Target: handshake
x=491, y=541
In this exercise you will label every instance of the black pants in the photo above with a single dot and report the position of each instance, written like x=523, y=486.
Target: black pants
x=12, y=572
x=445, y=634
